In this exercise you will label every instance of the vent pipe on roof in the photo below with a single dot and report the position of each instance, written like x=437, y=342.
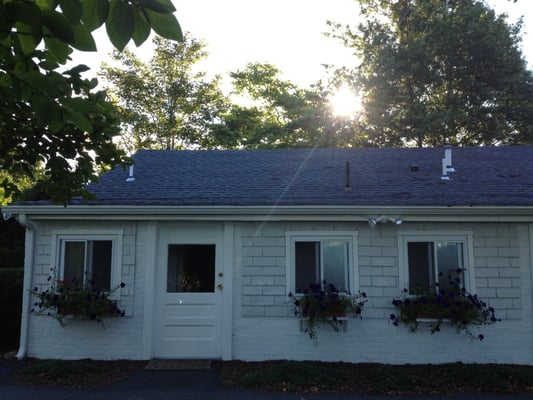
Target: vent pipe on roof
x=448, y=158
x=130, y=178
x=447, y=163
x=348, y=186
x=444, y=176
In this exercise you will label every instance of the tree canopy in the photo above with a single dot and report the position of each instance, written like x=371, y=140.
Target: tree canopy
x=166, y=103
x=279, y=114
x=436, y=72
x=52, y=120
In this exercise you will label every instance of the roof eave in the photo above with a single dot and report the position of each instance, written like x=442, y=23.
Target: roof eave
x=273, y=213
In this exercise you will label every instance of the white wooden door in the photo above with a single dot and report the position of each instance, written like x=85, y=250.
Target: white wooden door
x=189, y=284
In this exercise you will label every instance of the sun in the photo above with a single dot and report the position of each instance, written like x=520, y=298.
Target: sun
x=345, y=102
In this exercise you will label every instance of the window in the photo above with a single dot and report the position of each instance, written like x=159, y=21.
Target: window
x=89, y=258
x=430, y=264
x=191, y=268
x=314, y=259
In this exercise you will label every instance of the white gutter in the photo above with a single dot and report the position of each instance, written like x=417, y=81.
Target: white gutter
x=279, y=213
x=29, y=252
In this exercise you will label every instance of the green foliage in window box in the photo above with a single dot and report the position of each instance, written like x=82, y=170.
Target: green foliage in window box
x=453, y=305
x=323, y=303
x=78, y=300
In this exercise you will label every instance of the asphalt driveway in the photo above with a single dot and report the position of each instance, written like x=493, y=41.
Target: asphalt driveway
x=177, y=385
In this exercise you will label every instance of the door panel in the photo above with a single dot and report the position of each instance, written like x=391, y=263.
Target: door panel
x=190, y=302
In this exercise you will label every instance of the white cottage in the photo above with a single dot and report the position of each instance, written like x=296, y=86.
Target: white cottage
x=209, y=244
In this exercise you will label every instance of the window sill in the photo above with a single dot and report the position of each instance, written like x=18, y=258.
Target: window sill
x=431, y=319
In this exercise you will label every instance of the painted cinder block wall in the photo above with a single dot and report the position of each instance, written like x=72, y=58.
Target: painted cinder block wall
x=121, y=337
x=265, y=328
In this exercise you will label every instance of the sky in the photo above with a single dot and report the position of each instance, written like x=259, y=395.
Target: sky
x=285, y=33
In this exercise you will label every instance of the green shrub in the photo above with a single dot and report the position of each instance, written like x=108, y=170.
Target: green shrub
x=10, y=314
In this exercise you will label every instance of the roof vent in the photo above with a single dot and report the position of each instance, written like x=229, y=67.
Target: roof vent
x=448, y=158
x=348, y=185
x=130, y=177
x=447, y=163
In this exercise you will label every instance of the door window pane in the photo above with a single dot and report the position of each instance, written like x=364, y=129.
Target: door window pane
x=191, y=268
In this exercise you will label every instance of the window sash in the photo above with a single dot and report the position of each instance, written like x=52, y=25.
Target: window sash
x=325, y=257
x=87, y=260
x=444, y=258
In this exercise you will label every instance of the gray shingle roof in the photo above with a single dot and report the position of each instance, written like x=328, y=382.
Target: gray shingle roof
x=484, y=176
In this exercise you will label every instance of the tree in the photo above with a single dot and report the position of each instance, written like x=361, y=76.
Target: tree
x=279, y=114
x=51, y=119
x=164, y=103
x=434, y=72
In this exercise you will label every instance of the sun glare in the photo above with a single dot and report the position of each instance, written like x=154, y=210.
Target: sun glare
x=345, y=102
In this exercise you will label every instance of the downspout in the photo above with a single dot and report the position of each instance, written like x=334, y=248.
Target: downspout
x=29, y=251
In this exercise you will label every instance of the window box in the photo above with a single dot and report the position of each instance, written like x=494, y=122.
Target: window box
x=72, y=300
x=324, y=304
x=453, y=306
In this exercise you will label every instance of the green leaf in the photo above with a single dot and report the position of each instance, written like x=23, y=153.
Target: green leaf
x=58, y=24
x=47, y=4
x=27, y=38
x=72, y=9
x=78, y=69
x=160, y=6
x=95, y=13
x=142, y=28
x=165, y=25
x=83, y=39
x=6, y=81
x=120, y=24
x=60, y=50
x=41, y=106
x=57, y=121
x=79, y=104
x=79, y=120
x=22, y=11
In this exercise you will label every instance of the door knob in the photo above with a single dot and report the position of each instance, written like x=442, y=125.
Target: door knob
x=220, y=286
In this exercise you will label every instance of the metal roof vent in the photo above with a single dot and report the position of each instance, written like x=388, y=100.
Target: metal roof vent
x=130, y=177
x=447, y=163
x=448, y=158
x=348, y=184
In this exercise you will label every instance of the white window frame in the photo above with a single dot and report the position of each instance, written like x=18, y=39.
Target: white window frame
x=291, y=237
x=115, y=236
x=465, y=237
